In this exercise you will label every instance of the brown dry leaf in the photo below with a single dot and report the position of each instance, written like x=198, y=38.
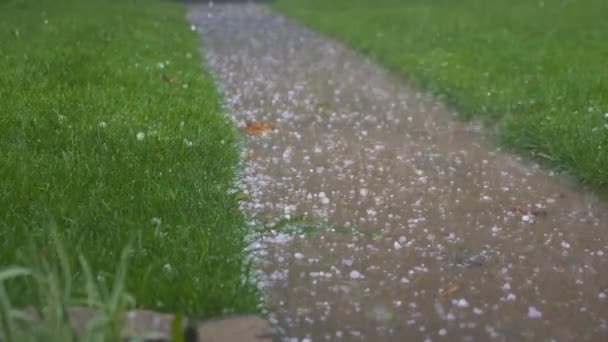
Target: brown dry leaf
x=449, y=291
x=526, y=211
x=539, y=212
x=254, y=127
x=520, y=210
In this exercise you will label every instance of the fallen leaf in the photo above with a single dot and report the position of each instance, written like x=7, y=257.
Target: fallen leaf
x=254, y=127
x=526, y=211
x=449, y=291
x=169, y=79
x=520, y=210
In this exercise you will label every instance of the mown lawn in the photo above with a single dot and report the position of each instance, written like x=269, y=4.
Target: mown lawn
x=536, y=69
x=112, y=132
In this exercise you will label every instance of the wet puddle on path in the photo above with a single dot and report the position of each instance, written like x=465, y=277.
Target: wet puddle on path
x=467, y=243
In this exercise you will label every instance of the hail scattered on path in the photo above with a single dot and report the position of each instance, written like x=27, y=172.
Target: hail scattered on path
x=468, y=243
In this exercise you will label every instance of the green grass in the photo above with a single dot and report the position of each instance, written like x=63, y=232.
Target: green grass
x=51, y=283
x=535, y=69
x=112, y=132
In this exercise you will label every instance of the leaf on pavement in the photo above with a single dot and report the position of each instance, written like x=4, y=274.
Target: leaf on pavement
x=449, y=291
x=254, y=127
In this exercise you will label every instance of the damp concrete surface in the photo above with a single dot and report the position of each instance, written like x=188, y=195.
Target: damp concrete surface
x=463, y=241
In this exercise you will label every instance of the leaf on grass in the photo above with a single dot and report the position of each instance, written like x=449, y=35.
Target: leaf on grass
x=254, y=127
x=169, y=79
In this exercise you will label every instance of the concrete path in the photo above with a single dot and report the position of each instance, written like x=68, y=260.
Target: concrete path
x=470, y=243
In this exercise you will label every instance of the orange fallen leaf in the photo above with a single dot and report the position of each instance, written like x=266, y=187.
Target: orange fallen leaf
x=254, y=127
x=449, y=291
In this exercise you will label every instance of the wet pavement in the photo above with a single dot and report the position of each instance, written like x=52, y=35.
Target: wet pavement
x=469, y=243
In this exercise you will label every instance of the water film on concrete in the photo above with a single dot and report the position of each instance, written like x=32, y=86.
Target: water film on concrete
x=460, y=241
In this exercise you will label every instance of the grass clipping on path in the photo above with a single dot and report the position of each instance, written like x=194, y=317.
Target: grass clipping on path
x=536, y=68
x=110, y=130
